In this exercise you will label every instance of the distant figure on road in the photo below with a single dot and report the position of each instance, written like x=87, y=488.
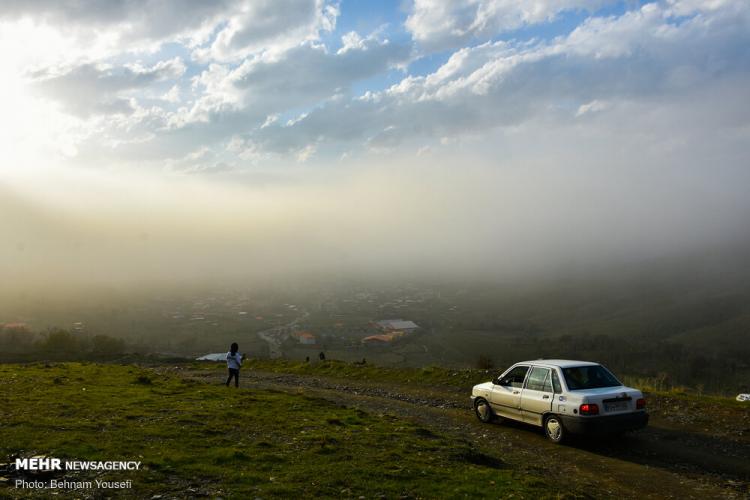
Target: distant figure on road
x=234, y=362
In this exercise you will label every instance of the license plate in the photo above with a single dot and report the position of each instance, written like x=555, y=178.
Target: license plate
x=618, y=406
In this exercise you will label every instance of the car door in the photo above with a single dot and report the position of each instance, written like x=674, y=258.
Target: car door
x=537, y=395
x=506, y=392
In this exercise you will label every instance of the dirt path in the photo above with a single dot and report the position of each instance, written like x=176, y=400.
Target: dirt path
x=663, y=461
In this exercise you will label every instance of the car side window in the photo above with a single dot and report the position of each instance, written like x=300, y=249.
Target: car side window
x=556, y=382
x=548, y=381
x=536, y=379
x=515, y=377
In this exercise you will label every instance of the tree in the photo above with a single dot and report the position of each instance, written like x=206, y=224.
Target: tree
x=107, y=346
x=59, y=343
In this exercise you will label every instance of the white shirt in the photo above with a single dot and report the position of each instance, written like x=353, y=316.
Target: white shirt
x=234, y=360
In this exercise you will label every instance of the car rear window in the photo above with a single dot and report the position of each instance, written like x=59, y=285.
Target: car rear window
x=589, y=377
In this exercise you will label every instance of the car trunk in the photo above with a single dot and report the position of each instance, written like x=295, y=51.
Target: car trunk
x=612, y=400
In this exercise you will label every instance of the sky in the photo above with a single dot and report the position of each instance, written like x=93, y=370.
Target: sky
x=149, y=139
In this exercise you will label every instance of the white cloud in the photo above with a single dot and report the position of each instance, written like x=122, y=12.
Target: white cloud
x=645, y=55
x=267, y=85
x=306, y=153
x=284, y=88
x=102, y=89
x=122, y=25
x=269, y=26
x=199, y=161
x=217, y=30
x=172, y=95
x=592, y=107
x=439, y=24
x=350, y=41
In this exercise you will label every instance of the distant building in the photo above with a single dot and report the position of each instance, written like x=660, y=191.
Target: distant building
x=377, y=339
x=383, y=338
x=305, y=338
x=11, y=326
x=397, y=324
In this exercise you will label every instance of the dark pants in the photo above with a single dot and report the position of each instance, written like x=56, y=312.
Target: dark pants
x=234, y=372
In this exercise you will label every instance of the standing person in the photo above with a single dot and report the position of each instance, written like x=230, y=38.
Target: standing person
x=234, y=362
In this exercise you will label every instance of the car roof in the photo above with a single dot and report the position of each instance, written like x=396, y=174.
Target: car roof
x=562, y=363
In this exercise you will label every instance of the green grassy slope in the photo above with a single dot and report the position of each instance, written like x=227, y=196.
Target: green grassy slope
x=197, y=439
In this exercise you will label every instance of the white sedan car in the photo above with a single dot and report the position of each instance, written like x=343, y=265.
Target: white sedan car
x=563, y=397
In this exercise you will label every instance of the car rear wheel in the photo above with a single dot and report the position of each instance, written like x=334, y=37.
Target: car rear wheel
x=554, y=429
x=483, y=410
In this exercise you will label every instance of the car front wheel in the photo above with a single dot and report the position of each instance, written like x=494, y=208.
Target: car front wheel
x=483, y=410
x=554, y=429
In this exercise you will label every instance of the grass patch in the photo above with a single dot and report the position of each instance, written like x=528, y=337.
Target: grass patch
x=446, y=378
x=431, y=375
x=197, y=439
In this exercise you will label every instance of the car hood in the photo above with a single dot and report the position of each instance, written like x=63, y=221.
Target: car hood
x=485, y=386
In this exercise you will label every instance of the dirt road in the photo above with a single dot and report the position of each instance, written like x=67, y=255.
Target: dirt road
x=682, y=454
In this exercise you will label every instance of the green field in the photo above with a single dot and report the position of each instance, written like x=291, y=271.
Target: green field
x=198, y=439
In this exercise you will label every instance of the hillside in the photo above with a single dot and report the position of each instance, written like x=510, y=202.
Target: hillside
x=341, y=430
x=204, y=440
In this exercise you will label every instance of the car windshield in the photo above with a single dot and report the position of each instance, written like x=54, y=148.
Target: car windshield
x=589, y=377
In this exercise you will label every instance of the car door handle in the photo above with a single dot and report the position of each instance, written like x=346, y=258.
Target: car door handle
x=546, y=396
x=516, y=392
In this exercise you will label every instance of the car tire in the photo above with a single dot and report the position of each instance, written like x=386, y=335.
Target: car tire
x=483, y=410
x=554, y=429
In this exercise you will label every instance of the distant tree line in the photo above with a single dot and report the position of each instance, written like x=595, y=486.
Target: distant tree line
x=22, y=344
x=498, y=325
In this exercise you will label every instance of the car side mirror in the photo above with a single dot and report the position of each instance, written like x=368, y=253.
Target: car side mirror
x=501, y=381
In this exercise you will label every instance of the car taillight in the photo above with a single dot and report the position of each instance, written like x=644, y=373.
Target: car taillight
x=640, y=404
x=589, y=409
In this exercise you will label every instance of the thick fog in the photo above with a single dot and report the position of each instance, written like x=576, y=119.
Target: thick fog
x=543, y=208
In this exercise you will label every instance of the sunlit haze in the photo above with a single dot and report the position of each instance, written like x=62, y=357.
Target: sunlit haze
x=239, y=140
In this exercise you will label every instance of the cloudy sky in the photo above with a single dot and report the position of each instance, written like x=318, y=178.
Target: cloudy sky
x=420, y=132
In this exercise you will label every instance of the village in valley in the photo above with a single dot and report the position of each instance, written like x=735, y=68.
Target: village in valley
x=346, y=326
x=457, y=325
x=348, y=323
